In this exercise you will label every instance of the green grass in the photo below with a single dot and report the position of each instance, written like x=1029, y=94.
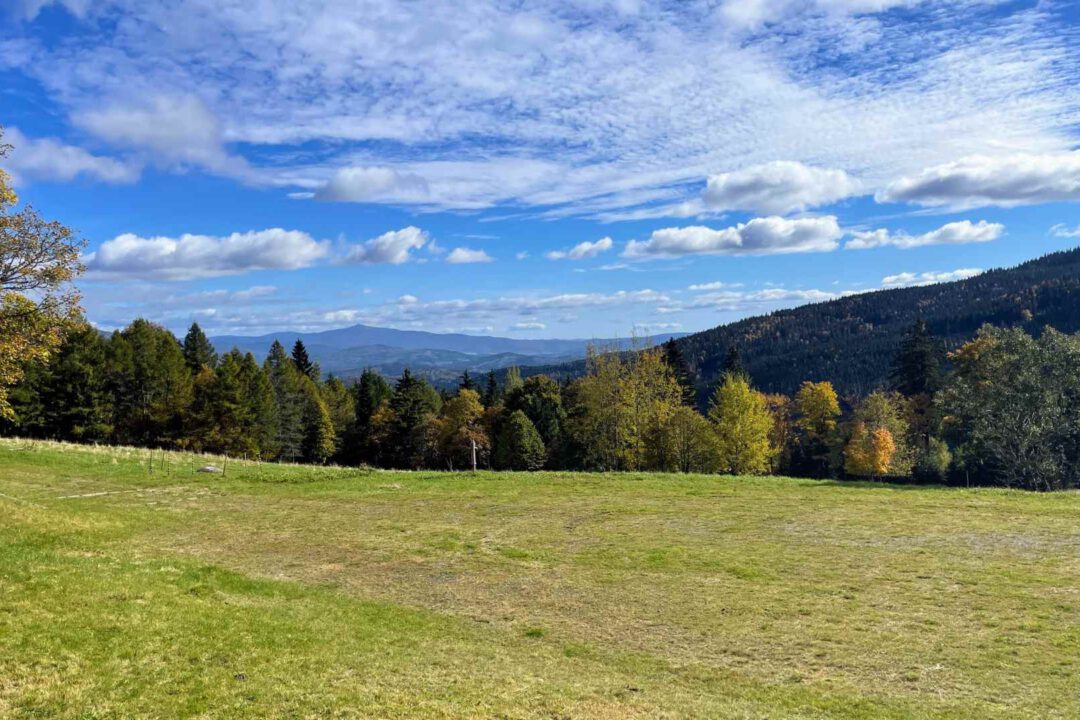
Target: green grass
x=284, y=591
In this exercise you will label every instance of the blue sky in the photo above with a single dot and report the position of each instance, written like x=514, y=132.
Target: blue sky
x=584, y=168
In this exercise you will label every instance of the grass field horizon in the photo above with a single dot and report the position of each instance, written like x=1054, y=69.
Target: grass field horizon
x=295, y=591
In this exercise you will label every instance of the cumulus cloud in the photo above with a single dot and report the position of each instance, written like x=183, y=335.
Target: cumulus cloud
x=464, y=256
x=199, y=256
x=905, y=279
x=391, y=248
x=374, y=184
x=1064, y=231
x=779, y=187
x=954, y=233
x=528, y=326
x=1004, y=181
x=760, y=236
x=174, y=131
x=52, y=160
x=582, y=250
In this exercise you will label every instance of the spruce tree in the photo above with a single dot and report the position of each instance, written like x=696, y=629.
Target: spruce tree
x=262, y=408
x=917, y=367
x=466, y=382
x=288, y=396
x=413, y=404
x=675, y=360
x=154, y=385
x=75, y=395
x=733, y=362
x=303, y=363
x=198, y=352
x=368, y=393
x=317, y=444
x=491, y=391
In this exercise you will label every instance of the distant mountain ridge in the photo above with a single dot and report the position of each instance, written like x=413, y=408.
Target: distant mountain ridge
x=851, y=341
x=348, y=351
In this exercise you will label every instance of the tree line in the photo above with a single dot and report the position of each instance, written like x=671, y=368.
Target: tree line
x=1003, y=409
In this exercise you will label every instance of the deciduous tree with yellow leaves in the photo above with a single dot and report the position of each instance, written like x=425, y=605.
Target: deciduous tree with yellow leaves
x=743, y=423
x=38, y=261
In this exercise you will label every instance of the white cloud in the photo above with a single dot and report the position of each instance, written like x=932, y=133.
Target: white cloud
x=464, y=256
x=1064, y=231
x=582, y=250
x=558, y=105
x=954, y=233
x=928, y=278
x=760, y=236
x=199, y=256
x=374, y=184
x=392, y=248
x=713, y=286
x=1004, y=181
x=52, y=160
x=758, y=300
x=175, y=131
x=754, y=14
x=340, y=316
x=521, y=255
x=528, y=326
x=779, y=187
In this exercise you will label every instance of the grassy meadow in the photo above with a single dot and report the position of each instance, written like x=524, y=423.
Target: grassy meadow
x=301, y=592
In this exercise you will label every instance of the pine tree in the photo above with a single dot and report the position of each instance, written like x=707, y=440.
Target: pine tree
x=466, y=382
x=917, y=367
x=153, y=385
x=368, y=394
x=675, y=360
x=75, y=398
x=262, y=409
x=491, y=391
x=413, y=404
x=317, y=445
x=733, y=362
x=288, y=396
x=198, y=352
x=301, y=360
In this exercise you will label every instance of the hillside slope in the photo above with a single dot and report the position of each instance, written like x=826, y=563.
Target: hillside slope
x=851, y=341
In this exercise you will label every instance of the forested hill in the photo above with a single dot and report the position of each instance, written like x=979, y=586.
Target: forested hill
x=851, y=341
